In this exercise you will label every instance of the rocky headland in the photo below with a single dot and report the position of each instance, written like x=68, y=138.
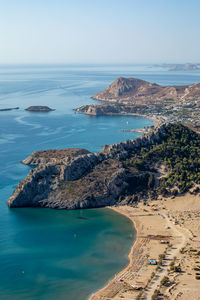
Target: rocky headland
x=108, y=109
x=39, y=108
x=160, y=103
x=116, y=109
x=122, y=173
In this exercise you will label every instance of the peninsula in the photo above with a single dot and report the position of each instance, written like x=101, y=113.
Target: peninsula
x=161, y=103
x=162, y=162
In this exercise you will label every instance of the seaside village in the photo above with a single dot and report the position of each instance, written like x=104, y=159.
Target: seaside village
x=187, y=113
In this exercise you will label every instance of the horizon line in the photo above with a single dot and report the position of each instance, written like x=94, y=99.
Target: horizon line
x=37, y=64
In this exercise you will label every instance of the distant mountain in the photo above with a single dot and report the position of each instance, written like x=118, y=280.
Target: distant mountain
x=180, y=67
x=185, y=67
x=140, y=92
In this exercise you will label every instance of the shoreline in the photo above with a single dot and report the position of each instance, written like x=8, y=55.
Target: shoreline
x=137, y=232
x=157, y=122
x=156, y=234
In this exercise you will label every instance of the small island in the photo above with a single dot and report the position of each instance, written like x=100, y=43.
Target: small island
x=39, y=108
x=8, y=109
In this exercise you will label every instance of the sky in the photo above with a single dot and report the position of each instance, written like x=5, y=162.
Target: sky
x=99, y=31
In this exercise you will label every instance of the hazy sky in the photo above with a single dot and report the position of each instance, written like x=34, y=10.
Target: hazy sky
x=99, y=31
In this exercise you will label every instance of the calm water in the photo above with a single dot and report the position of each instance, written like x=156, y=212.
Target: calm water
x=48, y=254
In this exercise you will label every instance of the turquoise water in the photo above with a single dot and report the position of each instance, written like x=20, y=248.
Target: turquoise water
x=48, y=254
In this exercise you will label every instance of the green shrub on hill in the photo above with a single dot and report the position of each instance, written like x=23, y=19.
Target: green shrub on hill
x=179, y=150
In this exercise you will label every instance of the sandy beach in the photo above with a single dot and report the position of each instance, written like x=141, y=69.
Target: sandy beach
x=168, y=234
x=157, y=122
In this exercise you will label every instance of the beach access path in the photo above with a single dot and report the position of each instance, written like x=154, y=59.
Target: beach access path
x=170, y=255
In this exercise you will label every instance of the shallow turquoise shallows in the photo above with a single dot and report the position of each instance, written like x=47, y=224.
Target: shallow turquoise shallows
x=50, y=254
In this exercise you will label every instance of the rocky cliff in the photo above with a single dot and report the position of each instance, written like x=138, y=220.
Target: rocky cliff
x=75, y=178
x=53, y=156
x=108, y=109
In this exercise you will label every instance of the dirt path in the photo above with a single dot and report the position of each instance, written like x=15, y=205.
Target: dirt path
x=171, y=253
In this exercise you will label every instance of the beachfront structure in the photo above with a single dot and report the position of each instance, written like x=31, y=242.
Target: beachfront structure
x=153, y=262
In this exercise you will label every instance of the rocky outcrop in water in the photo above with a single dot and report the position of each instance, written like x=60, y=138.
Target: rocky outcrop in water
x=75, y=178
x=8, y=109
x=39, y=108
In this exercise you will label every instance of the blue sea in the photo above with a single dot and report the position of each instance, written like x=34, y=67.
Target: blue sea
x=45, y=253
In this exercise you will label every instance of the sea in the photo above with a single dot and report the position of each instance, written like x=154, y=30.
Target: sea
x=48, y=254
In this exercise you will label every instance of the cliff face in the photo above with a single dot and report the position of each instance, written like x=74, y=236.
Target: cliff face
x=35, y=187
x=75, y=178
x=140, y=92
x=53, y=156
